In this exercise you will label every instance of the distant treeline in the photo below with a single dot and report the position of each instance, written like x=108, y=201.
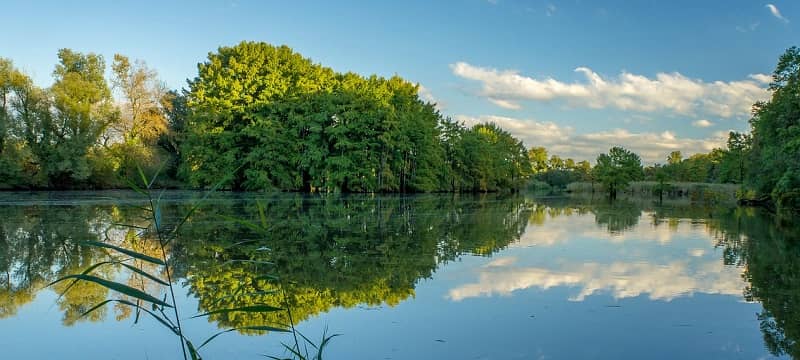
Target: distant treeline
x=257, y=117
x=765, y=162
x=261, y=118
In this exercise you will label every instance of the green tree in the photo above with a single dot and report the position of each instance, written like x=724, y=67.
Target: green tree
x=277, y=121
x=775, y=165
x=538, y=158
x=617, y=169
x=13, y=156
x=555, y=163
x=734, y=160
x=232, y=86
x=82, y=110
x=674, y=158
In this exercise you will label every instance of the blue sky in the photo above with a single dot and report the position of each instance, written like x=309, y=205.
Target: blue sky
x=653, y=76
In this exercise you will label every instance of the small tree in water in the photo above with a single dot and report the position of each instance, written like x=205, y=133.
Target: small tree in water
x=617, y=169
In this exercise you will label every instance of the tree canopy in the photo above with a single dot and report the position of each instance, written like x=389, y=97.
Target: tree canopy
x=617, y=169
x=277, y=121
x=264, y=117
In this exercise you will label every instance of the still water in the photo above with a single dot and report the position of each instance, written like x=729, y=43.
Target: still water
x=409, y=277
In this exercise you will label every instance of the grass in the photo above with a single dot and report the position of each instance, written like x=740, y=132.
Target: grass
x=163, y=307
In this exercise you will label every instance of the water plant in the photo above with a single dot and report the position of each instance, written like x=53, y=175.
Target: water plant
x=161, y=304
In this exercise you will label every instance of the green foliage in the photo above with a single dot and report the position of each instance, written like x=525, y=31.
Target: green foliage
x=775, y=154
x=538, y=158
x=554, y=171
x=308, y=254
x=83, y=110
x=768, y=250
x=617, y=169
x=290, y=124
x=264, y=114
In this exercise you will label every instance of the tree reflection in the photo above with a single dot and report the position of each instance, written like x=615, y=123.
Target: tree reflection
x=324, y=252
x=771, y=251
x=41, y=243
x=618, y=216
x=38, y=244
x=339, y=252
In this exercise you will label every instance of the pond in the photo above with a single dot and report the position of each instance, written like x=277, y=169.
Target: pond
x=406, y=277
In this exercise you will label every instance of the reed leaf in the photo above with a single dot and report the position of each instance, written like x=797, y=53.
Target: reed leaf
x=121, y=288
x=145, y=274
x=130, y=253
x=261, y=214
x=192, y=351
x=145, y=182
x=261, y=328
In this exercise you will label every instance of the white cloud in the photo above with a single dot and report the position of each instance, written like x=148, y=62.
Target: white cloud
x=426, y=95
x=702, y=123
x=666, y=92
x=652, y=147
x=776, y=13
x=762, y=78
x=503, y=261
x=505, y=104
x=620, y=279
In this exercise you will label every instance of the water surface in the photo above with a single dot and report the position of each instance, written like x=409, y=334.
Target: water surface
x=410, y=277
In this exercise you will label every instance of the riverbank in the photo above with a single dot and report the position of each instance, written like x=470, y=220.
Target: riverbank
x=693, y=191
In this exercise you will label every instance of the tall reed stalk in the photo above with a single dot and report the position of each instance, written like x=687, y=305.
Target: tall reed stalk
x=164, y=309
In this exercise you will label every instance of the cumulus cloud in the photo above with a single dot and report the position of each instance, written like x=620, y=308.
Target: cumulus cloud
x=666, y=92
x=652, y=147
x=776, y=13
x=702, y=123
x=762, y=78
x=426, y=95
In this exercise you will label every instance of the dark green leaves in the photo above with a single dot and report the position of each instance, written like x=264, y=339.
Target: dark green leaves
x=121, y=288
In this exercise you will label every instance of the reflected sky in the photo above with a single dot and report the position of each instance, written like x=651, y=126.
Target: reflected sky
x=428, y=277
x=662, y=259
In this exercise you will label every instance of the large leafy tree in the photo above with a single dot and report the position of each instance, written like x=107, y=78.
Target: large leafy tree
x=273, y=120
x=232, y=86
x=776, y=135
x=143, y=117
x=617, y=169
x=538, y=158
x=82, y=109
x=13, y=85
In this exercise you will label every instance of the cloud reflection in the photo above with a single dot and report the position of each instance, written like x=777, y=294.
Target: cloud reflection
x=620, y=279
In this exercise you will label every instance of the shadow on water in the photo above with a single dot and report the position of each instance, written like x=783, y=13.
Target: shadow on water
x=348, y=251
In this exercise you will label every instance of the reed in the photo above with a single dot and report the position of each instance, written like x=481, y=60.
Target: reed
x=162, y=307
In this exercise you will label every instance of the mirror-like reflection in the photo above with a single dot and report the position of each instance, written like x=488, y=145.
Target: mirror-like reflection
x=362, y=252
